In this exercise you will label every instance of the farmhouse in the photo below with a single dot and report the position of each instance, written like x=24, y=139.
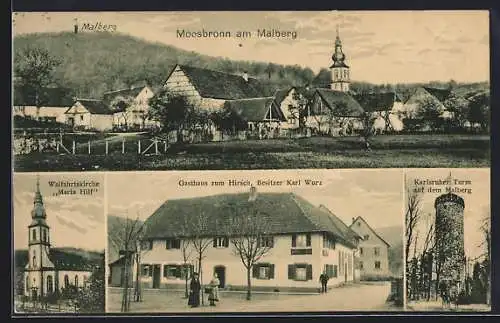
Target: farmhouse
x=384, y=108
x=54, y=103
x=421, y=94
x=209, y=89
x=261, y=116
x=334, y=113
x=303, y=240
x=373, y=251
x=90, y=114
x=48, y=270
x=130, y=107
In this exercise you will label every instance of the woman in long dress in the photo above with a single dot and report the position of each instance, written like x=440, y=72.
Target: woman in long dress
x=214, y=290
x=194, y=291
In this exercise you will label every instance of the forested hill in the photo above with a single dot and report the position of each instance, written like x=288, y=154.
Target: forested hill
x=93, y=63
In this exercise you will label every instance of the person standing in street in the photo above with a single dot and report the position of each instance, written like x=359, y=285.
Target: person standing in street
x=214, y=290
x=194, y=291
x=323, y=278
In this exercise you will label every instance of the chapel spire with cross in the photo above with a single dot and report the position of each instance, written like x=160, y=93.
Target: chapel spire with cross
x=339, y=69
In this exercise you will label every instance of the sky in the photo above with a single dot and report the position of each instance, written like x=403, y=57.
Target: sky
x=381, y=46
x=477, y=203
x=376, y=196
x=75, y=220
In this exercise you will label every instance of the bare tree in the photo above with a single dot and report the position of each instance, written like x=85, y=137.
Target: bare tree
x=249, y=232
x=412, y=217
x=186, y=250
x=486, y=230
x=126, y=240
x=199, y=240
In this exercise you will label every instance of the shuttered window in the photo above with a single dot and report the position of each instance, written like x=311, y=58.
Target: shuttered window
x=263, y=271
x=173, y=244
x=172, y=271
x=301, y=240
x=301, y=272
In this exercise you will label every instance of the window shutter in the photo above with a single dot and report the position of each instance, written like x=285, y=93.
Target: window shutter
x=255, y=271
x=271, y=271
x=178, y=271
x=215, y=242
x=294, y=240
x=334, y=270
x=309, y=272
x=308, y=240
x=291, y=271
x=150, y=271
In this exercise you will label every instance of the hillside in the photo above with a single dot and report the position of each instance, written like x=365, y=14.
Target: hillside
x=394, y=237
x=117, y=226
x=93, y=63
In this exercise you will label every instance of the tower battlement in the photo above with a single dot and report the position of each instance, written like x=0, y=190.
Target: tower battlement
x=449, y=197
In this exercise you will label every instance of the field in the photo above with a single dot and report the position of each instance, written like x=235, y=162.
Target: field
x=387, y=151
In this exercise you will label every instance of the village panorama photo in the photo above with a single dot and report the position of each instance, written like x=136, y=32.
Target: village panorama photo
x=97, y=91
x=58, y=237
x=242, y=244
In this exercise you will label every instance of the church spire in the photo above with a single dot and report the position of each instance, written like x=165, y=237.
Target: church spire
x=340, y=70
x=38, y=208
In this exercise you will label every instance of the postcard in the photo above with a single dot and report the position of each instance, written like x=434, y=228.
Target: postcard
x=259, y=90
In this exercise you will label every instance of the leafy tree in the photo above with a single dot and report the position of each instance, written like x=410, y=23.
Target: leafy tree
x=174, y=112
x=458, y=107
x=123, y=104
x=92, y=298
x=429, y=112
x=34, y=69
x=479, y=110
x=227, y=119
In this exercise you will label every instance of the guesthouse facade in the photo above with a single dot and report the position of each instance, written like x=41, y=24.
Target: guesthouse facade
x=304, y=241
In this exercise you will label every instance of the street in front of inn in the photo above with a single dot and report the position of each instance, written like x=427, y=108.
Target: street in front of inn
x=350, y=297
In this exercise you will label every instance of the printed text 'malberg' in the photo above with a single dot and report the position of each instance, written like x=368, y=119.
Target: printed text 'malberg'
x=260, y=33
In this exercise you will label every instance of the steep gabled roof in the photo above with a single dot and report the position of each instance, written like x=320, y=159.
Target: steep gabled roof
x=280, y=95
x=284, y=213
x=440, y=94
x=256, y=109
x=130, y=92
x=95, y=106
x=219, y=85
x=335, y=98
x=375, y=102
x=371, y=229
x=64, y=259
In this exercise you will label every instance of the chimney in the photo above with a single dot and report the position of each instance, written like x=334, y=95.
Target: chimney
x=253, y=194
x=245, y=76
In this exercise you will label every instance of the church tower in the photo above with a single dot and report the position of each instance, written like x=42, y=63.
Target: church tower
x=339, y=69
x=39, y=265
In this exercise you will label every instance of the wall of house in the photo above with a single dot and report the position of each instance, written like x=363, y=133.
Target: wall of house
x=280, y=256
x=116, y=273
x=80, y=116
x=289, y=106
x=342, y=258
x=179, y=83
x=45, y=112
x=366, y=252
x=101, y=122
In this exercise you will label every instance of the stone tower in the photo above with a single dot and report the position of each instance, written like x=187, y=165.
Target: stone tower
x=38, y=247
x=339, y=69
x=449, y=235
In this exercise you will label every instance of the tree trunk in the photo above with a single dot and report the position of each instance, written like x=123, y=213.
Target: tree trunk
x=200, y=272
x=125, y=303
x=249, y=284
x=137, y=292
